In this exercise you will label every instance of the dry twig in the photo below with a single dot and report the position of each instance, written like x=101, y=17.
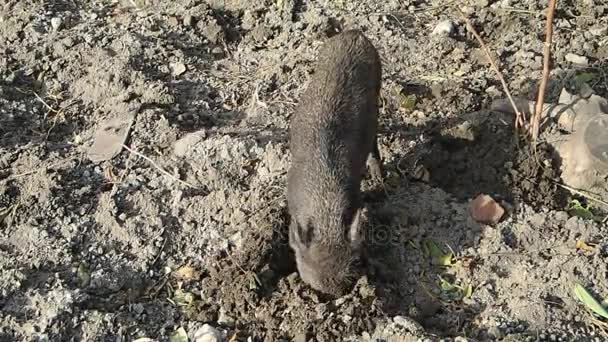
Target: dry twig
x=535, y=127
x=163, y=171
x=581, y=193
x=519, y=118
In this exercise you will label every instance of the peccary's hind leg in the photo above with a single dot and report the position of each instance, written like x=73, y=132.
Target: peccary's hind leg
x=375, y=163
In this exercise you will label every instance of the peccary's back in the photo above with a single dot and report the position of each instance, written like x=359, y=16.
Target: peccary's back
x=334, y=126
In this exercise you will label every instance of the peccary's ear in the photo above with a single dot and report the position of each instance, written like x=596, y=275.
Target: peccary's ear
x=298, y=237
x=355, y=232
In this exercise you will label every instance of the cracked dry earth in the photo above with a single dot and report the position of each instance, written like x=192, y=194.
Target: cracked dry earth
x=118, y=250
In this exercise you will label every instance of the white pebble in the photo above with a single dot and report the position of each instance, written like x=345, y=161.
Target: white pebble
x=207, y=333
x=177, y=68
x=445, y=27
x=56, y=23
x=576, y=59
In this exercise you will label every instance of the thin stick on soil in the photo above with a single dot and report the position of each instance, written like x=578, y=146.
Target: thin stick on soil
x=163, y=171
x=535, y=127
x=581, y=193
x=519, y=118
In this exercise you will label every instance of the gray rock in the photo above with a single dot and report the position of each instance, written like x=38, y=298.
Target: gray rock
x=599, y=30
x=224, y=319
x=188, y=20
x=444, y=28
x=577, y=59
x=408, y=324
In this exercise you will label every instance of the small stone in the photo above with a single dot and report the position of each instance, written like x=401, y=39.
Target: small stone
x=10, y=78
x=484, y=209
x=599, y=30
x=188, y=20
x=300, y=338
x=224, y=319
x=444, y=28
x=177, y=68
x=408, y=324
x=577, y=59
x=173, y=21
x=207, y=333
x=187, y=143
x=56, y=23
x=211, y=30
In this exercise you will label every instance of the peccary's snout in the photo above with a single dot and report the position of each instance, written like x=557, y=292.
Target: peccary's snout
x=328, y=266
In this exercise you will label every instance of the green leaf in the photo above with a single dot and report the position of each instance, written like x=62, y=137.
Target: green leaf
x=84, y=274
x=468, y=291
x=585, y=77
x=437, y=255
x=407, y=102
x=446, y=285
x=444, y=260
x=412, y=244
x=180, y=335
x=590, y=302
x=431, y=249
x=575, y=208
x=183, y=298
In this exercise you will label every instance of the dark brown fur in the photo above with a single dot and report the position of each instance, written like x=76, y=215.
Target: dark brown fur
x=332, y=133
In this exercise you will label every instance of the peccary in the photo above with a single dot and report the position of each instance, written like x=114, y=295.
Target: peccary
x=332, y=135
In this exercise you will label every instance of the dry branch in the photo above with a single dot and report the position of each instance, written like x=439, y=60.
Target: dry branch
x=535, y=127
x=163, y=171
x=519, y=118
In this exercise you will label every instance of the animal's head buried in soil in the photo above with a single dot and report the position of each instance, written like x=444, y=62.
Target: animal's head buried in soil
x=333, y=131
x=328, y=263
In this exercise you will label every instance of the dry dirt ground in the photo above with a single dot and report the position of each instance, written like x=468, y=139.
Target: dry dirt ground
x=119, y=250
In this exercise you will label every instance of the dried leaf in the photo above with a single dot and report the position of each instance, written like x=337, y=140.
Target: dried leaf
x=590, y=302
x=187, y=273
x=422, y=174
x=110, y=137
x=234, y=337
x=180, y=335
x=582, y=245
